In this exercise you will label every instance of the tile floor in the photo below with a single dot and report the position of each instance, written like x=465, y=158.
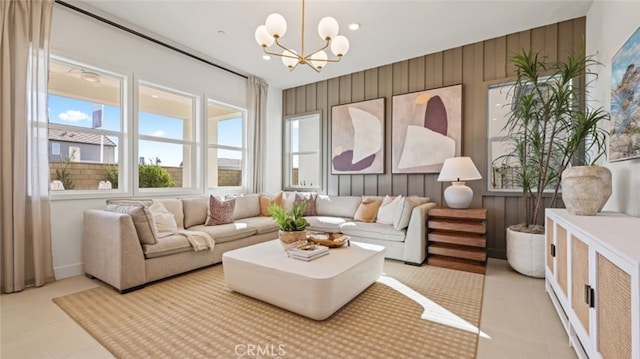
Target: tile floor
x=517, y=315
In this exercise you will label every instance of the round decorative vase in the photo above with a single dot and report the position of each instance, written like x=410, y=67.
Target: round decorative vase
x=525, y=253
x=586, y=189
x=290, y=239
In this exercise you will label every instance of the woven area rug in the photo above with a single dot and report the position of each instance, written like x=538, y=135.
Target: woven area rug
x=411, y=312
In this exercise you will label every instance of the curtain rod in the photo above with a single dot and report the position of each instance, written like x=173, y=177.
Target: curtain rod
x=146, y=37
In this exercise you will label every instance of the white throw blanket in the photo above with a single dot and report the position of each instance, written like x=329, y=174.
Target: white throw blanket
x=198, y=240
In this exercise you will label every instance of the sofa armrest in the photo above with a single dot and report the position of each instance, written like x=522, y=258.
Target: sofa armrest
x=111, y=250
x=415, y=247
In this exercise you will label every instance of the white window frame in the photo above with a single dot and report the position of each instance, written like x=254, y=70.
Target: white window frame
x=244, y=149
x=194, y=143
x=122, y=135
x=503, y=136
x=288, y=154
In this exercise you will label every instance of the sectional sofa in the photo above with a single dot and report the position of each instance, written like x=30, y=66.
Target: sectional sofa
x=128, y=245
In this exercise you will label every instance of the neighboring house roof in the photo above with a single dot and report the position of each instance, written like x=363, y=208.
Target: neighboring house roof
x=78, y=137
x=229, y=163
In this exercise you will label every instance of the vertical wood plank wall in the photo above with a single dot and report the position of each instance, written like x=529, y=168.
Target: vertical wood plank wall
x=475, y=66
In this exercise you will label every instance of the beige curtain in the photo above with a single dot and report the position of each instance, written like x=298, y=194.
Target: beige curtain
x=25, y=225
x=257, y=131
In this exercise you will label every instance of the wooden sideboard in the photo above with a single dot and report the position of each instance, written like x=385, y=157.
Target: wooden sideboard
x=593, y=278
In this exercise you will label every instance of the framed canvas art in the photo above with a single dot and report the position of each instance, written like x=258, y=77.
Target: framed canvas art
x=357, y=137
x=426, y=129
x=624, y=137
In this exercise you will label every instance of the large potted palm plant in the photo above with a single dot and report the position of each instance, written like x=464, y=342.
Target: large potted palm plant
x=551, y=128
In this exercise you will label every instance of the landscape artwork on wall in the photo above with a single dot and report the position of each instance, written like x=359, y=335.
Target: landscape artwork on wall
x=426, y=129
x=624, y=138
x=357, y=138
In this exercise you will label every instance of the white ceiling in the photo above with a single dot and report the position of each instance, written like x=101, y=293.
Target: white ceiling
x=390, y=31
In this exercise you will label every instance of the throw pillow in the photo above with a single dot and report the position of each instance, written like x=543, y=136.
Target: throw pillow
x=165, y=221
x=387, y=209
x=288, y=199
x=367, y=210
x=220, y=212
x=403, y=212
x=310, y=209
x=142, y=217
x=266, y=201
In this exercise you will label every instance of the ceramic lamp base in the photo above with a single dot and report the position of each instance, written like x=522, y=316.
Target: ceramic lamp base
x=458, y=195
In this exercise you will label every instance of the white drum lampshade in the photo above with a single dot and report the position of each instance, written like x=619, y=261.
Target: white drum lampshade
x=457, y=170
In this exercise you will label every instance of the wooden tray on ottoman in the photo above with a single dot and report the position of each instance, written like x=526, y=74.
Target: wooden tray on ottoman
x=331, y=240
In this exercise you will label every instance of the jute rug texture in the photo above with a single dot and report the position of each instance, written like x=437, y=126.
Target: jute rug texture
x=196, y=316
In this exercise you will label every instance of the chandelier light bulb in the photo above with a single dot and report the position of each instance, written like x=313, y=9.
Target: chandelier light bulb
x=319, y=59
x=340, y=46
x=290, y=58
x=328, y=28
x=276, y=25
x=262, y=36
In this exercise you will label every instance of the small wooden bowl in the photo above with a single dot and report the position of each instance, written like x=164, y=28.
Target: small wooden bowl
x=335, y=240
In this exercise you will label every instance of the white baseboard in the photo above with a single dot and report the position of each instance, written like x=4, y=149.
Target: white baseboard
x=67, y=271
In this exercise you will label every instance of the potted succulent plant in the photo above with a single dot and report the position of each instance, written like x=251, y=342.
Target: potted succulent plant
x=292, y=223
x=551, y=129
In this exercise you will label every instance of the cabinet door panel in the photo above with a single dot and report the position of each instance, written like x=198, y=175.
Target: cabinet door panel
x=579, y=279
x=561, y=254
x=549, y=228
x=613, y=306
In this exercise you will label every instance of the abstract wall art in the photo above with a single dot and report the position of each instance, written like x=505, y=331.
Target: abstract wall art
x=426, y=129
x=624, y=138
x=357, y=137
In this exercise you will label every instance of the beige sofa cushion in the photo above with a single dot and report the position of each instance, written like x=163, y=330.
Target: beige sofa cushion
x=326, y=223
x=226, y=232
x=173, y=244
x=373, y=231
x=288, y=199
x=142, y=217
x=261, y=224
x=195, y=210
x=246, y=206
x=337, y=206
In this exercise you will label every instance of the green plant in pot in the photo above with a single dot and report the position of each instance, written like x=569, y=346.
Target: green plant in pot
x=291, y=223
x=551, y=128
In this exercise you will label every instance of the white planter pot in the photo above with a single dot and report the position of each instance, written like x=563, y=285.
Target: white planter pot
x=525, y=253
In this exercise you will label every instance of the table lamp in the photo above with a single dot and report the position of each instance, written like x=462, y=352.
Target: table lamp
x=458, y=170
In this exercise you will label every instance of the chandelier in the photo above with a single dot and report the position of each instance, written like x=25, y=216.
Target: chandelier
x=276, y=26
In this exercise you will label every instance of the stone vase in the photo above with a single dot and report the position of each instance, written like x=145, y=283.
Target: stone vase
x=525, y=253
x=586, y=189
x=290, y=239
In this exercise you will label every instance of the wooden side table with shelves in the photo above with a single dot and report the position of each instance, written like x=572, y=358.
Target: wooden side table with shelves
x=457, y=238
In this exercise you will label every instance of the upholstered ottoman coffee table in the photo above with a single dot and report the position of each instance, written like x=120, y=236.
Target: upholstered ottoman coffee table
x=314, y=289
